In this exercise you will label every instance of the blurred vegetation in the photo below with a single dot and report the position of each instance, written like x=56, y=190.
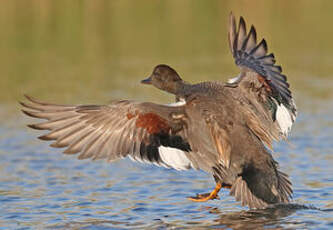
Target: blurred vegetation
x=94, y=51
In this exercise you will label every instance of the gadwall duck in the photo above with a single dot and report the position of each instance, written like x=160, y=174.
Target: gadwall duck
x=225, y=129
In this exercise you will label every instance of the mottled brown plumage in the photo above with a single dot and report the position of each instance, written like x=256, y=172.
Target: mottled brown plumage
x=221, y=128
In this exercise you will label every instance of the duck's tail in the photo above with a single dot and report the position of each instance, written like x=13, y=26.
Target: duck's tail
x=258, y=188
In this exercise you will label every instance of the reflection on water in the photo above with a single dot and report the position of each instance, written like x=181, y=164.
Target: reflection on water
x=92, y=52
x=253, y=219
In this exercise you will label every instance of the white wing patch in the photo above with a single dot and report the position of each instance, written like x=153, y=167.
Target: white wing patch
x=235, y=79
x=175, y=158
x=284, y=119
x=179, y=103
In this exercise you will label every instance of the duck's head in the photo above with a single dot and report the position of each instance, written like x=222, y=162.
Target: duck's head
x=165, y=78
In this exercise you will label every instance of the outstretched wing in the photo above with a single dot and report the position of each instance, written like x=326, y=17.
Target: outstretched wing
x=263, y=79
x=143, y=131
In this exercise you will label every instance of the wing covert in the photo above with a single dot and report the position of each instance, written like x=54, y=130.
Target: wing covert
x=258, y=66
x=143, y=131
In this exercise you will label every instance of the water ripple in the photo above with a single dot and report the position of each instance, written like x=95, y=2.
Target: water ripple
x=41, y=188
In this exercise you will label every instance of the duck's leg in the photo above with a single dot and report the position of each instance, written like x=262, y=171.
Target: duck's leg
x=207, y=196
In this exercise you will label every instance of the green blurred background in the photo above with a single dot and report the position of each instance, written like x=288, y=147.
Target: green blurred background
x=94, y=51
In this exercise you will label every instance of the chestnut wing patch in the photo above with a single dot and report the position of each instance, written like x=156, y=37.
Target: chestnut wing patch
x=152, y=123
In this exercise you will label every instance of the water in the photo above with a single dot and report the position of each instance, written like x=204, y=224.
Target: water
x=84, y=52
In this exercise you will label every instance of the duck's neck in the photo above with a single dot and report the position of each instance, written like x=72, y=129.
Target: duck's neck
x=181, y=88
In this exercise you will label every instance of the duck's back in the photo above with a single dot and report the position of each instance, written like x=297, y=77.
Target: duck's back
x=231, y=111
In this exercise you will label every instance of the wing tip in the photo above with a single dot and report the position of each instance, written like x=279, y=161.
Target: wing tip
x=29, y=113
x=35, y=126
x=232, y=32
x=242, y=23
x=253, y=55
x=31, y=99
x=45, y=138
x=70, y=151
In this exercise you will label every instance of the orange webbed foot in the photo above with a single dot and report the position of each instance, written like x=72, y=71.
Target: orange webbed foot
x=207, y=196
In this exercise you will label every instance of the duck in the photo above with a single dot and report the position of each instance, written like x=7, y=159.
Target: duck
x=223, y=128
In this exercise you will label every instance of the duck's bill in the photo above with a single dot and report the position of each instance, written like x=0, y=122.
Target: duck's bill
x=146, y=81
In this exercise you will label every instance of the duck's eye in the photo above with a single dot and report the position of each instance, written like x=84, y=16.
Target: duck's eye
x=157, y=76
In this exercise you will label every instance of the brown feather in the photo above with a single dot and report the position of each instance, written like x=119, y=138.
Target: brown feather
x=222, y=143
